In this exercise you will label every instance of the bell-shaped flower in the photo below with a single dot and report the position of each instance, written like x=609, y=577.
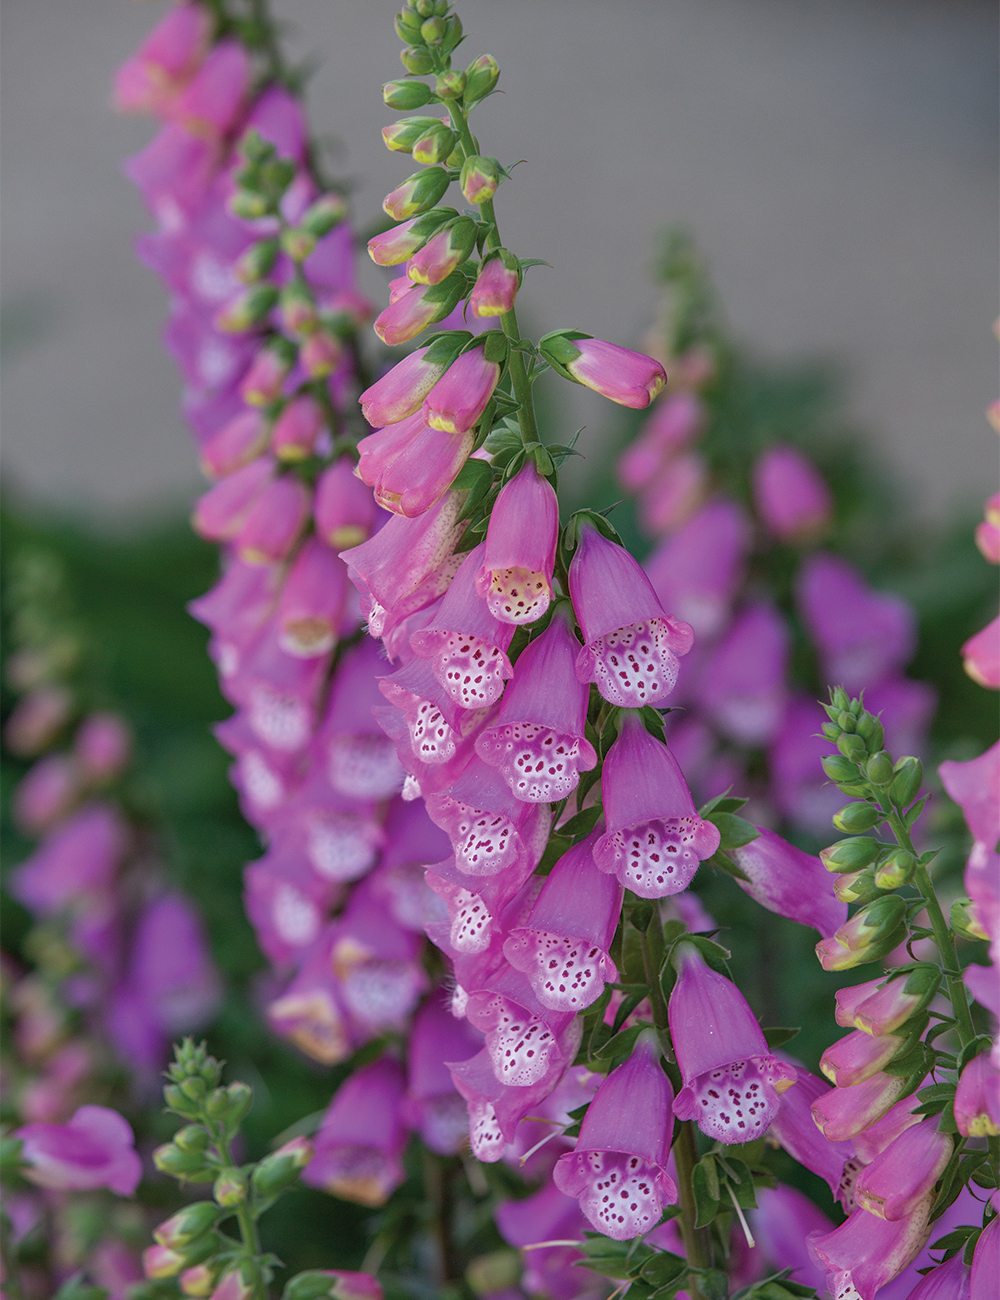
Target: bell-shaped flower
x=949, y=1281
x=731, y=1079
x=538, y=741
x=845, y=1112
x=857, y=1056
x=359, y=1146
x=407, y=564
x=742, y=687
x=564, y=946
x=461, y=395
x=655, y=838
x=287, y=903
x=434, y=739
x=279, y=692
x=675, y=421
x=866, y=1252
x=75, y=865
x=524, y=1038
x=311, y=609
x=789, y=882
x=781, y=1223
x=626, y=377
x=433, y=1107
x=465, y=644
x=221, y=512
x=238, y=442
x=274, y=521
x=150, y=80
x=343, y=508
x=359, y=760
x=618, y=1170
x=237, y=609
x=96, y=1148
x=902, y=1175
x=264, y=380
x=401, y=391
x=489, y=827
x=630, y=644
x=977, y=1098
x=790, y=495
x=697, y=572
x=862, y=635
x=411, y=465
x=794, y=1129
x=975, y=787
x=516, y=574
x=981, y=656
x=102, y=746
x=882, y=1005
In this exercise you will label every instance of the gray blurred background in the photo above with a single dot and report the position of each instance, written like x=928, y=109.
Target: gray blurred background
x=836, y=160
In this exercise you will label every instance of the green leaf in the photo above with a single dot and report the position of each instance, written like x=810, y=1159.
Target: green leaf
x=722, y=863
x=735, y=831
x=620, y=1044
x=664, y=1268
x=777, y=1037
x=475, y=477
x=579, y=826
x=705, y=1185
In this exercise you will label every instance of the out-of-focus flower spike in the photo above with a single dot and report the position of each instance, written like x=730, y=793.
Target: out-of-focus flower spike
x=981, y=656
x=150, y=80
x=297, y=428
x=274, y=521
x=343, y=508
x=788, y=882
x=790, y=495
x=310, y=611
x=697, y=572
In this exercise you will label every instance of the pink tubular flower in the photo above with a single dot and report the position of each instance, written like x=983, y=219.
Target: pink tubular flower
x=655, y=838
x=981, y=656
x=782, y=1221
x=431, y=742
x=150, y=80
x=311, y=607
x=699, y=569
x=630, y=644
x=95, y=1149
x=265, y=378
x=462, y=394
x=674, y=422
x=673, y=495
x=516, y=577
x=214, y=98
x=626, y=377
x=343, y=509
x=74, y=864
x=309, y=1013
x=47, y=793
x=563, y=946
x=986, y=1262
x=742, y=687
x=102, y=746
x=411, y=465
x=495, y=289
x=36, y=720
x=526, y=1041
x=221, y=512
x=537, y=742
x=977, y=1098
x=433, y=1106
x=789, y=882
x=297, y=428
x=274, y=521
x=360, y=1141
x=843, y=1113
x=975, y=787
x=618, y=1169
x=949, y=1281
x=731, y=1079
x=857, y=1056
x=794, y=1129
x=443, y=253
x=416, y=308
x=489, y=827
x=464, y=643
x=790, y=495
x=401, y=391
x=988, y=532
x=238, y=442
x=866, y=1252
x=882, y=1010
x=902, y=1175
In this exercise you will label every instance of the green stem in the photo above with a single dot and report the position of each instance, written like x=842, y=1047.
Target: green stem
x=942, y=934
x=247, y=1224
x=508, y=321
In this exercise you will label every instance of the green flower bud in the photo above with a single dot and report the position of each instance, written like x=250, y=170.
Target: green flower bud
x=867, y=936
x=452, y=33
x=406, y=95
x=192, y=1138
x=419, y=62
x=257, y=261
x=401, y=136
x=230, y=1187
x=407, y=26
x=249, y=205
x=255, y=149
x=857, y=888
x=850, y=855
x=895, y=869
x=297, y=243
x=450, y=85
x=855, y=817
x=240, y=1097
x=852, y=747
x=321, y=217
x=879, y=768
x=481, y=76
x=281, y=1168
x=217, y=1105
x=906, y=783
x=870, y=729
x=432, y=31
x=480, y=178
x=194, y=1088
x=247, y=310
x=831, y=731
x=964, y=919
x=441, y=8
x=200, y=1279
x=847, y=722
x=187, y=1224
x=435, y=146
x=424, y=8
x=416, y=194
x=170, y=1159
x=176, y=1100
x=838, y=768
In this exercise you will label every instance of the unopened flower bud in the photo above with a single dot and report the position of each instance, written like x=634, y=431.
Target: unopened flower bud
x=881, y=1006
x=298, y=308
x=450, y=85
x=839, y=769
x=297, y=428
x=860, y=887
x=161, y=1261
x=257, y=261
x=247, y=310
x=217, y=1104
x=444, y=252
x=906, y=783
x=839, y=701
x=977, y=1098
x=230, y=1187
x=857, y=1056
x=852, y=747
x=262, y=383
x=879, y=768
x=481, y=76
x=847, y=722
x=964, y=919
x=237, y=1284
x=192, y=1138
x=249, y=205
x=435, y=145
x=496, y=285
x=851, y=855
x=432, y=30
x=332, y=1284
x=401, y=136
x=297, y=243
x=199, y=1280
x=170, y=1159
x=895, y=869
x=406, y=95
x=867, y=936
x=320, y=354
x=322, y=216
x=417, y=193
x=452, y=33
x=282, y=1167
x=417, y=61
x=870, y=730
x=187, y=1224
x=480, y=178
x=407, y=23
x=855, y=817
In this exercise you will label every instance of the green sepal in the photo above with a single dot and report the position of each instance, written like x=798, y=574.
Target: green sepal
x=779, y=1036
x=476, y=478
x=620, y=1044
x=579, y=518
x=734, y=831
x=721, y=803
x=706, y=1189
x=722, y=863
x=578, y=827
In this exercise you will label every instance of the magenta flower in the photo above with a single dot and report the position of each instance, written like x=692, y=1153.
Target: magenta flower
x=537, y=742
x=655, y=838
x=949, y=1281
x=359, y=761
x=343, y=509
x=47, y=793
x=401, y=391
x=433, y=1107
x=975, y=787
x=977, y=1098
x=238, y=442
x=866, y=1252
x=630, y=644
x=563, y=947
x=794, y=1129
x=731, y=1079
x=489, y=827
x=901, y=1176
x=102, y=746
x=516, y=577
x=882, y=1010
x=782, y=1221
x=312, y=605
x=360, y=1141
x=432, y=737
x=297, y=428
x=742, y=687
x=798, y=784
x=790, y=495
x=310, y=1013
x=417, y=307
x=547, y=1215
x=699, y=569
x=75, y=864
x=476, y=906
x=985, y=1262
x=843, y=1113
x=981, y=656
x=444, y=252
x=626, y=377
x=171, y=969
x=618, y=1169
x=674, y=422
x=988, y=532
x=464, y=643
x=461, y=395
x=496, y=287
x=857, y=1056
x=95, y=1149
x=212, y=101
x=495, y=1108
x=221, y=512
x=150, y=80
x=670, y=499
x=862, y=635
x=265, y=378
x=525, y=1039
x=411, y=465
x=287, y=902
x=789, y=882
x=274, y=521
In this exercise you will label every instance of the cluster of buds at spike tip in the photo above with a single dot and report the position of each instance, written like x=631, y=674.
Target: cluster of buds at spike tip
x=430, y=32
x=261, y=180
